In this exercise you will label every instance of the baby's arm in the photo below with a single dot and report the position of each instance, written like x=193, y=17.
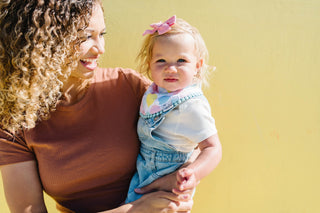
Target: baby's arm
x=209, y=157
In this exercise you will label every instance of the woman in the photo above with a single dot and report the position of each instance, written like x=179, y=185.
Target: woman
x=67, y=126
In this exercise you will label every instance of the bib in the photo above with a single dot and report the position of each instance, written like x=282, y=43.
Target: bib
x=157, y=100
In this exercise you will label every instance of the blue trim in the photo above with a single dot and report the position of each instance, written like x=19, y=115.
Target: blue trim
x=172, y=105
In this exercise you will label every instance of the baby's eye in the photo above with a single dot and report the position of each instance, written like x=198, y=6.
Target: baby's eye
x=181, y=60
x=160, y=61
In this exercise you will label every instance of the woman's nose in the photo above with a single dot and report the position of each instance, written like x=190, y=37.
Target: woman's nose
x=99, y=46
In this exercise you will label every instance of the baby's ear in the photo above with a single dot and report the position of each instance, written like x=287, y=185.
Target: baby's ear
x=199, y=63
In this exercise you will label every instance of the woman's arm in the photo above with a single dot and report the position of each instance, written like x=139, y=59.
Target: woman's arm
x=169, y=182
x=159, y=197
x=156, y=202
x=22, y=188
x=201, y=163
x=24, y=193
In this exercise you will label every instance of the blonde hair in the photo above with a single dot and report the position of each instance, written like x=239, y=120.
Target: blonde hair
x=38, y=50
x=180, y=27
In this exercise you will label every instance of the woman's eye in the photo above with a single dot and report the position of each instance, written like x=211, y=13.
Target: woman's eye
x=181, y=60
x=84, y=38
x=102, y=34
x=87, y=37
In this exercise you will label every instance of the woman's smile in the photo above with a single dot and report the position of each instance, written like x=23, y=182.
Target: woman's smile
x=89, y=63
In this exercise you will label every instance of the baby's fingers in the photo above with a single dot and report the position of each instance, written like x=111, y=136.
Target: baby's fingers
x=185, y=172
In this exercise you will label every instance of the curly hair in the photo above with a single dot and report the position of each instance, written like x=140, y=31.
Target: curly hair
x=181, y=26
x=38, y=50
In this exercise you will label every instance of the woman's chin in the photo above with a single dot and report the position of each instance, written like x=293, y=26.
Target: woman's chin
x=83, y=74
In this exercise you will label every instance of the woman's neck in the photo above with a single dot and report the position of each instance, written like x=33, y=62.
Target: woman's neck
x=74, y=90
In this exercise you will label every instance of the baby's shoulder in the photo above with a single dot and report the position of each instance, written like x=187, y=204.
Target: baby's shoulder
x=194, y=104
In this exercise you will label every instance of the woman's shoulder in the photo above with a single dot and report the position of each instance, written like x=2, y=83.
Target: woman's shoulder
x=122, y=76
x=103, y=74
x=6, y=135
x=13, y=148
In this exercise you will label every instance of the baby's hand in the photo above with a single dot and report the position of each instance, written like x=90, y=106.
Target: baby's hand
x=186, y=181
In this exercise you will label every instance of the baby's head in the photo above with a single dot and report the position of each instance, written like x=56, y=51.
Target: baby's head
x=161, y=46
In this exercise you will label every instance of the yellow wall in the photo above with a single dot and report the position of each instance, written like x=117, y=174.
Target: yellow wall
x=265, y=95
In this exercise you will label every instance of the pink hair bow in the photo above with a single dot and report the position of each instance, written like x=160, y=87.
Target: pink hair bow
x=161, y=27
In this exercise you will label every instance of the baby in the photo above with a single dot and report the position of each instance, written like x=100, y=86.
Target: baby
x=175, y=117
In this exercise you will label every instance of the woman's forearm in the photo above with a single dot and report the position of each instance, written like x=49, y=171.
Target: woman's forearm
x=156, y=202
x=126, y=208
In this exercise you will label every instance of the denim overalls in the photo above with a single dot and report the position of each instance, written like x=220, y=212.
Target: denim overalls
x=156, y=158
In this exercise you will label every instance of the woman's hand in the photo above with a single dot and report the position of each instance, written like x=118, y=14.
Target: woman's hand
x=170, y=183
x=165, y=183
x=162, y=202
x=165, y=194
x=157, y=202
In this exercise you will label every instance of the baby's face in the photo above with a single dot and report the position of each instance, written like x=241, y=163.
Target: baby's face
x=174, y=63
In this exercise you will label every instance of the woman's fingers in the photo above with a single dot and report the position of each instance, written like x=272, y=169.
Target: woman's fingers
x=166, y=183
x=177, y=203
x=161, y=201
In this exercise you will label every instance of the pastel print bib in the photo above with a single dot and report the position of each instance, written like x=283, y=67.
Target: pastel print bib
x=157, y=100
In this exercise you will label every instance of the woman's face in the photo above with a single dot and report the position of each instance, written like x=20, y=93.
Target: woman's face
x=93, y=45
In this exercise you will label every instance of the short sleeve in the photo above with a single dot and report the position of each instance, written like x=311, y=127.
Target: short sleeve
x=138, y=82
x=13, y=149
x=195, y=121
